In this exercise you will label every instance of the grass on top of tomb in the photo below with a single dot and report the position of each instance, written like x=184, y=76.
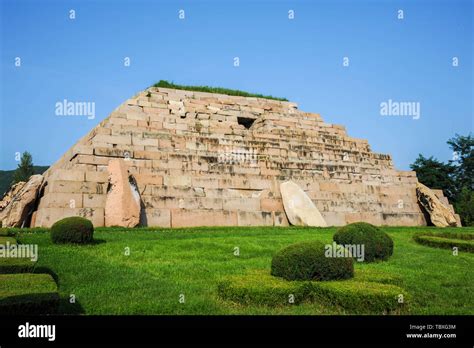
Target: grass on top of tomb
x=217, y=90
x=164, y=263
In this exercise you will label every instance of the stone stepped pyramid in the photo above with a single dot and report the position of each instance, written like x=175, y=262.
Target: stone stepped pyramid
x=209, y=159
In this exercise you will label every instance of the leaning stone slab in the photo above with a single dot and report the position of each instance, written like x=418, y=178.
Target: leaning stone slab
x=8, y=196
x=122, y=205
x=16, y=212
x=299, y=208
x=440, y=215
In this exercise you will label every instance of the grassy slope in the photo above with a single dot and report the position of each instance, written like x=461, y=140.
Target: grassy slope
x=218, y=90
x=165, y=263
x=6, y=177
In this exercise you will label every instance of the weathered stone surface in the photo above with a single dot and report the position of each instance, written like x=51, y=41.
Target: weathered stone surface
x=122, y=205
x=68, y=175
x=255, y=218
x=190, y=218
x=280, y=219
x=195, y=163
x=46, y=217
x=156, y=217
x=8, y=196
x=16, y=212
x=299, y=208
x=61, y=200
x=440, y=215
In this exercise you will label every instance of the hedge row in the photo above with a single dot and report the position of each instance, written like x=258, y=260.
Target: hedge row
x=22, y=292
x=5, y=240
x=28, y=294
x=13, y=231
x=16, y=265
x=260, y=288
x=449, y=235
x=446, y=240
x=6, y=232
x=361, y=297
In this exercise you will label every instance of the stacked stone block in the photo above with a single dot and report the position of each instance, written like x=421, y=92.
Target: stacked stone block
x=210, y=159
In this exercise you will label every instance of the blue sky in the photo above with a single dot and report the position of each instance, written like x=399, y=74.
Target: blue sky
x=300, y=59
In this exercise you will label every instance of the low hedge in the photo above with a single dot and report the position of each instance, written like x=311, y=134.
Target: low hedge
x=22, y=294
x=5, y=240
x=75, y=229
x=16, y=265
x=446, y=240
x=260, y=288
x=377, y=244
x=358, y=297
x=307, y=261
x=361, y=297
x=13, y=231
x=6, y=232
x=449, y=235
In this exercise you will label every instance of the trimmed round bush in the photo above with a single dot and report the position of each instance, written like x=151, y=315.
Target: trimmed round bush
x=308, y=261
x=377, y=244
x=74, y=229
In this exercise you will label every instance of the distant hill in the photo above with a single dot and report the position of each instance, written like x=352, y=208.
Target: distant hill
x=6, y=177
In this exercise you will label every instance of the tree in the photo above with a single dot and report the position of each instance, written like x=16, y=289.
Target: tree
x=456, y=178
x=464, y=206
x=25, y=168
x=435, y=175
x=463, y=159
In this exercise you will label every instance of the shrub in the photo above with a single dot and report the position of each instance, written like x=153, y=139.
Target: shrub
x=446, y=240
x=28, y=294
x=464, y=206
x=377, y=244
x=355, y=296
x=307, y=261
x=72, y=230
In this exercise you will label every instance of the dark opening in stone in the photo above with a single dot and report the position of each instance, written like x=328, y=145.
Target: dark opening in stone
x=245, y=121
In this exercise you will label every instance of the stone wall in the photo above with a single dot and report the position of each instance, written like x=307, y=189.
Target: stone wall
x=209, y=159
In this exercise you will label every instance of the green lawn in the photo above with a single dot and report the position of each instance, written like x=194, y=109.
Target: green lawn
x=165, y=263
